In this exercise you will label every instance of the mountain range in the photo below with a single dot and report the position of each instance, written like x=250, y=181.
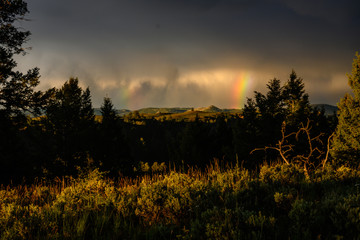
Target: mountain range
x=329, y=110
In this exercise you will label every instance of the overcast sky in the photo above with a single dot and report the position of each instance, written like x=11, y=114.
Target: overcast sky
x=192, y=53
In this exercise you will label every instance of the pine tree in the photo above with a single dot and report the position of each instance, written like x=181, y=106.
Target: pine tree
x=296, y=100
x=111, y=148
x=86, y=111
x=282, y=106
x=17, y=96
x=69, y=106
x=107, y=111
x=17, y=93
x=70, y=118
x=346, y=142
x=270, y=105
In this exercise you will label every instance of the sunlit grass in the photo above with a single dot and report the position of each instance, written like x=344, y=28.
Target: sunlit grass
x=278, y=201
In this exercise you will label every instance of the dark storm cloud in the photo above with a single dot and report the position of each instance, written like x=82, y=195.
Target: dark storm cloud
x=145, y=40
x=334, y=11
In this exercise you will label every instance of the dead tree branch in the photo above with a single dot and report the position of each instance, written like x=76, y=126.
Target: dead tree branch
x=328, y=150
x=310, y=157
x=283, y=147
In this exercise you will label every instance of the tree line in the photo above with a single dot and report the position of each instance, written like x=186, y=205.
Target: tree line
x=62, y=134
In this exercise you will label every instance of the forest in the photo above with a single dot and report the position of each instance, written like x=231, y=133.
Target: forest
x=279, y=168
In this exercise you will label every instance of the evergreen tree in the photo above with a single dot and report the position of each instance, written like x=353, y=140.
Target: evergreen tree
x=16, y=89
x=288, y=106
x=69, y=106
x=107, y=111
x=70, y=118
x=111, y=148
x=346, y=142
x=296, y=101
x=86, y=111
x=17, y=96
x=271, y=109
x=263, y=117
x=271, y=105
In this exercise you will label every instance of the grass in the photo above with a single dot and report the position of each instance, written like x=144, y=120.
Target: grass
x=276, y=202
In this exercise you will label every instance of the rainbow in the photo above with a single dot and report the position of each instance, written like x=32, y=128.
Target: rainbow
x=124, y=97
x=239, y=90
x=133, y=98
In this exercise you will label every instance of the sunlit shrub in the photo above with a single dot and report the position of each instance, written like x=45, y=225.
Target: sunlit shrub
x=343, y=173
x=323, y=174
x=90, y=192
x=166, y=200
x=233, y=179
x=10, y=196
x=232, y=203
x=23, y=222
x=156, y=167
x=144, y=167
x=282, y=174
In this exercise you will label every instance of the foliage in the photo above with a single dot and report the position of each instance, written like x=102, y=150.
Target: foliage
x=69, y=106
x=267, y=115
x=70, y=121
x=17, y=92
x=282, y=174
x=296, y=101
x=108, y=112
x=346, y=142
x=230, y=203
x=16, y=89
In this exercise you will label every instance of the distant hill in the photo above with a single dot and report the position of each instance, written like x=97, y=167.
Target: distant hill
x=150, y=110
x=210, y=108
x=174, y=110
x=162, y=110
x=214, y=109
x=119, y=112
x=329, y=109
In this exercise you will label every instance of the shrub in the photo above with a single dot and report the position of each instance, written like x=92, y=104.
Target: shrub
x=282, y=174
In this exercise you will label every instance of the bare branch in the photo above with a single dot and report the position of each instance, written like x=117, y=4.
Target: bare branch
x=313, y=152
x=280, y=147
x=328, y=149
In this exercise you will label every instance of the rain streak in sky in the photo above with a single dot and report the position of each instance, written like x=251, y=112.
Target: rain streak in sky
x=192, y=53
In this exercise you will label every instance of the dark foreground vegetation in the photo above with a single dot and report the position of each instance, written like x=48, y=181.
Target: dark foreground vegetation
x=281, y=169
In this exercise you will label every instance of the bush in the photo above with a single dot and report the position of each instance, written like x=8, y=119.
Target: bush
x=277, y=203
x=282, y=174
